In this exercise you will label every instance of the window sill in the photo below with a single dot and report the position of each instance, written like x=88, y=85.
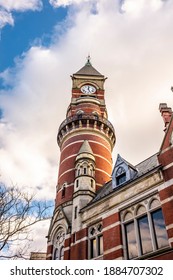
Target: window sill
x=155, y=253
x=98, y=258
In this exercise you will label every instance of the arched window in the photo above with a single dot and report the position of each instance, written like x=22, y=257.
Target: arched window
x=128, y=216
x=80, y=113
x=59, y=244
x=95, y=114
x=144, y=230
x=63, y=191
x=62, y=253
x=140, y=210
x=77, y=183
x=92, y=183
x=95, y=241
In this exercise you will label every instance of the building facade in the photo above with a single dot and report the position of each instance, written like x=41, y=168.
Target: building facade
x=105, y=212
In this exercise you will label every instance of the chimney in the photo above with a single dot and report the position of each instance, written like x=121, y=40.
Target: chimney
x=166, y=113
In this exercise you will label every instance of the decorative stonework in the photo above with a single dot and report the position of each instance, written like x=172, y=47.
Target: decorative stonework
x=59, y=244
x=86, y=121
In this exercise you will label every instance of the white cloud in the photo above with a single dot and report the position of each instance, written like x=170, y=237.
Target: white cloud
x=28, y=109
x=64, y=3
x=5, y=18
x=8, y=6
x=136, y=7
x=22, y=5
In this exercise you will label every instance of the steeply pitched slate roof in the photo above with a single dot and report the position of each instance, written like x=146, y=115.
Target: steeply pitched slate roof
x=143, y=168
x=88, y=70
x=147, y=165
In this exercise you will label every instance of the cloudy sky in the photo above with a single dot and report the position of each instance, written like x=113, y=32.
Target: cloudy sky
x=43, y=42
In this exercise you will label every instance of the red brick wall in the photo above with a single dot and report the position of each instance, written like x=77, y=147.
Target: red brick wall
x=165, y=158
x=112, y=237
x=113, y=255
x=49, y=252
x=69, y=149
x=79, y=251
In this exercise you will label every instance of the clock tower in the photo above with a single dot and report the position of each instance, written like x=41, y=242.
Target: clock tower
x=86, y=139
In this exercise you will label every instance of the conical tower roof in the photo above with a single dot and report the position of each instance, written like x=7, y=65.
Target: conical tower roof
x=85, y=151
x=88, y=70
x=85, y=148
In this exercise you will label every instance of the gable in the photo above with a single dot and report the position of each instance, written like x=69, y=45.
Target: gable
x=123, y=172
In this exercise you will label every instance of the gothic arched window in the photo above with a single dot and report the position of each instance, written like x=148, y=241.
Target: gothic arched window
x=59, y=245
x=95, y=241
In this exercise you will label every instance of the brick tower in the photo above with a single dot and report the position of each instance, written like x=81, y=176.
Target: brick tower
x=86, y=139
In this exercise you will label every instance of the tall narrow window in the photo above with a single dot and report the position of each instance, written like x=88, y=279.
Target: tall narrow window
x=77, y=183
x=93, y=245
x=131, y=240
x=95, y=241
x=120, y=176
x=100, y=245
x=159, y=228
x=91, y=183
x=62, y=253
x=144, y=233
x=63, y=191
x=75, y=212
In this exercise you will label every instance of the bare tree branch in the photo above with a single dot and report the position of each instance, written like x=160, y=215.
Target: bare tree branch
x=18, y=212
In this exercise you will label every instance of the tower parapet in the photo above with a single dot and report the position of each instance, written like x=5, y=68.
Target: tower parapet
x=86, y=121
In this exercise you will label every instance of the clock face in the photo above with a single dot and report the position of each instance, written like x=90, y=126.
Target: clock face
x=88, y=89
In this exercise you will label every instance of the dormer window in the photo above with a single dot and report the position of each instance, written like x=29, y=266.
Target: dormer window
x=123, y=172
x=120, y=176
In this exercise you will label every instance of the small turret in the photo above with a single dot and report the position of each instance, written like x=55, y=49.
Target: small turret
x=84, y=185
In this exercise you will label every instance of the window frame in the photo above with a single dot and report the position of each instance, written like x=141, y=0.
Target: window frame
x=58, y=244
x=120, y=176
x=97, y=236
x=134, y=217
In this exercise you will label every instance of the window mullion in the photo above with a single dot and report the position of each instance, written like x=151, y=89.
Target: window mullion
x=138, y=237
x=97, y=246
x=124, y=241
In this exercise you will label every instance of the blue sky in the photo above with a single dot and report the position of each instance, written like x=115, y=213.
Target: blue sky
x=28, y=27
x=43, y=43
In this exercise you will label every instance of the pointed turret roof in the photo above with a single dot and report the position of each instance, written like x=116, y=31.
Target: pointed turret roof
x=85, y=151
x=85, y=148
x=88, y=70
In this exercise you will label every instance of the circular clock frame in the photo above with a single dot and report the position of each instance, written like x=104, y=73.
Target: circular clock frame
x=88, y=89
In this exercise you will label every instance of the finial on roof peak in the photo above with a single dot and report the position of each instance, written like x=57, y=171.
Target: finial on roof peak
x=88, y=60
x=88, y=69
